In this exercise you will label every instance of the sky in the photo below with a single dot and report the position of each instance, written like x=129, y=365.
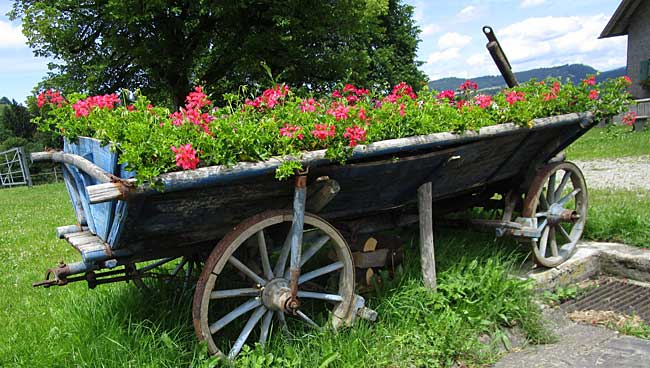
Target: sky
x=533, y=33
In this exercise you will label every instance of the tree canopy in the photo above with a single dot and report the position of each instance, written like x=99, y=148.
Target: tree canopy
x=164, y=47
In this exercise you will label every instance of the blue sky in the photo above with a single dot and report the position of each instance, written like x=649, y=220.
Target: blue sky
x=533, y=33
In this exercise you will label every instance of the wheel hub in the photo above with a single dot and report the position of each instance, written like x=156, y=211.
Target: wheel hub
x=557, y=214
x=276, y=294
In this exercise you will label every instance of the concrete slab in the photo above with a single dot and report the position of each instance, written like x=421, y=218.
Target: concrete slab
x=593, y=259
x=580, y=346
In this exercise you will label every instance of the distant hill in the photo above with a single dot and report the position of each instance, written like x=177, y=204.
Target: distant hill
x=493, y=83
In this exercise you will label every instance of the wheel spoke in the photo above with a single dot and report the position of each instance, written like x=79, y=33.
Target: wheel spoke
x=242, y=309
x=542, y=242
x=233, y=293
x=246, y=331
x=320, y=271
x=179, y=267
x=543, y=224
x=283, y=321
x=264, y=254
x=541, y=214
x=266, y=326
x=564, y=233
x=551, y=237
x=311, y=251
x=188, y=274
x=568, y=197
x=306, y=319
x=282, y=259
x=563, y=182
x=543, y=202
x=550, y=191
x=312, y=295
x=245, y=270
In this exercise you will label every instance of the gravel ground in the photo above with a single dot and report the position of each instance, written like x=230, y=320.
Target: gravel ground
x=617, y=173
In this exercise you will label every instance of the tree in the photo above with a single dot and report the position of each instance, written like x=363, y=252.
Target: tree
x=165, y=46
x=16, y=121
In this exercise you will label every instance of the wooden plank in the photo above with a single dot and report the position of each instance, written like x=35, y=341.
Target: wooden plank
x=427, y=257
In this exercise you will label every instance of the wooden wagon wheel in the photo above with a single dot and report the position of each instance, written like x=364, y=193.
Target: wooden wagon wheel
x=233, y=283
x=558, y=199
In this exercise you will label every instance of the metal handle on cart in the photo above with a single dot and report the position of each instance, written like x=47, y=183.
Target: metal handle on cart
x=499, y=57
x=111, y=187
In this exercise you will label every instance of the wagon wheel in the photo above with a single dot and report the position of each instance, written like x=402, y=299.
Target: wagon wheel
x=558, y=199
x=182, y=269
x=222, y=303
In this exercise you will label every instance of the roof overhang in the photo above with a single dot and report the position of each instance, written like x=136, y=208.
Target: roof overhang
x=620, y=21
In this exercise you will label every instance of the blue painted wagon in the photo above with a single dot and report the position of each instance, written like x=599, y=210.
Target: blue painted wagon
x=267, y=256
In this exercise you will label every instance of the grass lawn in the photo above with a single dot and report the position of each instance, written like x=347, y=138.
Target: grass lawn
x=619, y=216
x=610, y=142
x=116, y=325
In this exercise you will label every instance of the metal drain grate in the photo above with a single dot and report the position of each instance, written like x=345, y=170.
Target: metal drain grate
x=614, y=295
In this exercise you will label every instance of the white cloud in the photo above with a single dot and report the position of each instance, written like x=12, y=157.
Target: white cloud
x=11, y=36
x=467, y=11
x=429, y=29
x=447, y=54
x=531, y=3
x=479, y=59
x=453, y=40
x=547, y=41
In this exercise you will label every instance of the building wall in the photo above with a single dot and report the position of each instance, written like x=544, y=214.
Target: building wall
x=638, y=47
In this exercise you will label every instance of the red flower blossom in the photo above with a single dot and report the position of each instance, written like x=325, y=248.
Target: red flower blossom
x=130, y=108
x=401, y=109
x=355, y=135
x=350, y=88
x=590, y=81
x=362, y=115
x=186, y=157
x=362, y=92
x=448, y=94
x=403, y=89
x=292, y=131
x=308, y=105
x=351, y=99
x=483, y=101
x=514, y=96
x=593, y=94
x=322, y=131
x=554, y=92
x=197, y=99
x=85, y=106
x=269, y=97
x=629, y=118
x=460, y=104
x=468, y=85
x=627, y=80
x=51, y=97
x=339, y=111
x=336, y=94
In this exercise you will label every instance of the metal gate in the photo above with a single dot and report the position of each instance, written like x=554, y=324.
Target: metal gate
x=13, y=168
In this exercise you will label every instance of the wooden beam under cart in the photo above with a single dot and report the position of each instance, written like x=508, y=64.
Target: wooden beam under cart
x=427, y=257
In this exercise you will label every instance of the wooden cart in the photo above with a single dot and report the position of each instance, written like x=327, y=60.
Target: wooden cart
x=265, y=254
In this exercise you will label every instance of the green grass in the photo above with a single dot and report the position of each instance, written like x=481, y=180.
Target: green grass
x=619, y=216
x=610, y=142
x=118, y=326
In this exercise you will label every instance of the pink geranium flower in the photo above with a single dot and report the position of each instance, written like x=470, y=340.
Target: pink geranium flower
x=186, y=157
